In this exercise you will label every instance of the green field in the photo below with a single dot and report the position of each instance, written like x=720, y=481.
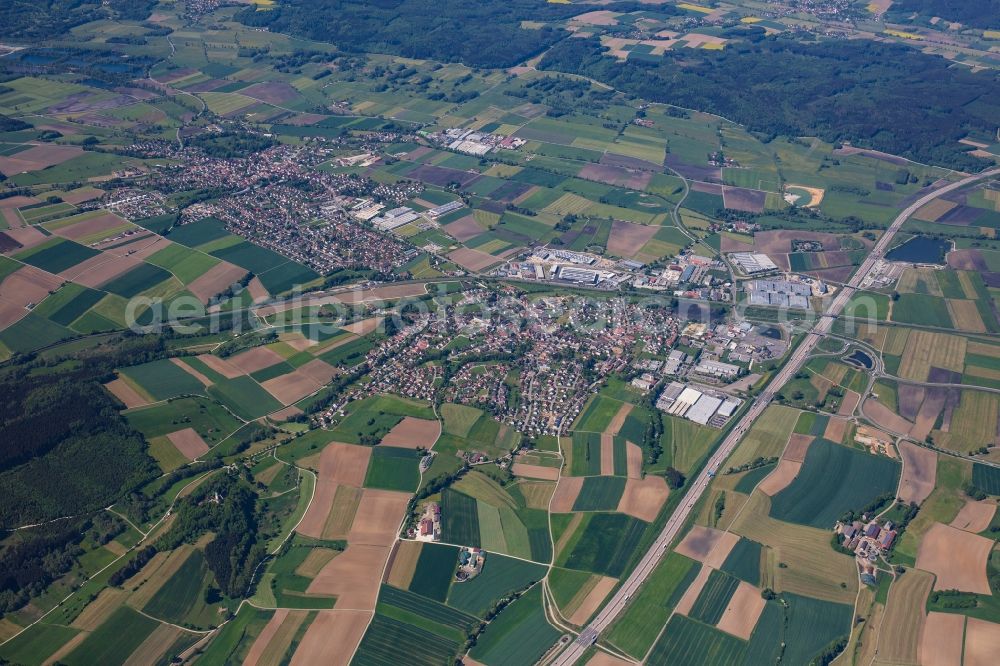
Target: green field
x=600, y=493
x=834, y=479
x=163, y=379
x=393, y=468
x=139, y=279
x=744, y=561
x=921, y=309
x=56, y=255
x=390, y=641
x=208, y=418
x=986, y=478
x=245, y=397
x=36, y=643
x=426, y=608
x=112, y=642
x=518, y=635
x=603, y=543
x=597, y=414
x=435, y=569
x=461, y=518
x=181, y=599
x=33, y=332
x=714, y=597
x=585, y=459
x=689, y=642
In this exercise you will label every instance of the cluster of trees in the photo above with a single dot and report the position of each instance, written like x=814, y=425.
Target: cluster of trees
x=883, y=96
x=564, y=95
x=226, y=506
x=12, y=124
x=229, y=145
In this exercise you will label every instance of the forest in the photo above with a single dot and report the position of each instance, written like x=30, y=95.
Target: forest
x=42, y=19
x=64, y=447
x=479, y=34
x=978, y=14
x=882, y=96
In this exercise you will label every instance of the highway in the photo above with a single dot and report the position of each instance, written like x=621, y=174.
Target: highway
x=620, y=600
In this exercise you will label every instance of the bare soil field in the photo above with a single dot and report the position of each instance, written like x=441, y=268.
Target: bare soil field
x=291, y=387
x=215, y=280
x=707, y=545
x=885, y=417
x=909, y=399
x=344, y=463
x=403, y=563
x=968, y=260
x=601, y=659
x=318, y=370
x=463, y=229
x=780, y=241
x=941, y=643
x=378, y=518
x=780, y=478
x=100, y=269
x=189, y=443
x=798, y=446
x=91, y=226
x=38, y=157
x=381, y=293
x=643, y=499
x=933, y=404
x=597, y=17
x=27, y=237
x=285, y=414
x=221, y=366
x=633, y=453
x=128, y=395
x=730, y=244
x=205, y=381
x=255, y=359
x=272, y=92
x=98, y=610
x=27, y=285
x=835, y=429
x=472, y=260
x=849, y=403
x=919, y=472
x=956, y=557
x=264, y=637
x=413, y=433
x=338, y=464
x=363, y=327
x=332, y=638
x=627, y=238
x=619, y=419
x=607, y=455
x=975, y=517
x=743, y=611
x=566, y=494
x=593, y=600
x=691, y=594
x=258, y=291
x=535, y=471
x=10, y=313
x=740, y=198
x=353, y=576
x=982, y=642
x=636, y=179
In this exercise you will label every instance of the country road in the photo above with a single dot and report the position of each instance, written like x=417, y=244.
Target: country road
x=673, y=526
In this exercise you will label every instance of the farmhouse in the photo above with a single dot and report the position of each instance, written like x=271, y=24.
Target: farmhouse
x=429, y=525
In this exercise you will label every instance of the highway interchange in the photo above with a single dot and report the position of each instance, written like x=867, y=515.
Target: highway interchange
x=675, y=523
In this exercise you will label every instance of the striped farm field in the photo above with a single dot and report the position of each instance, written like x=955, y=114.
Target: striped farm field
x=925, y=349
x=902, y=624
x=689, y=642
x=973, y=423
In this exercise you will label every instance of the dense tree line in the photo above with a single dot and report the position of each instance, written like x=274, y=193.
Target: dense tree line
x=480, y=34
x=883, y=96
x=12, y=124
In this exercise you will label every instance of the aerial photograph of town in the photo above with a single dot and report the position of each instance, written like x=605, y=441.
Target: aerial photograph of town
x=500, y=332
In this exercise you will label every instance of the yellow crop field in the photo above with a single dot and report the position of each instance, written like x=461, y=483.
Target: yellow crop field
x=904, y=617
x=810, y=568
x=695, y=8
x=569, y=204
x=767, y=437
x=925, y=349
x=965, y=315
x=903, y=35
x=973, y=424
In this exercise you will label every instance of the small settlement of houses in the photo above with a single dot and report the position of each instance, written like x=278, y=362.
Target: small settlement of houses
x=869, y=538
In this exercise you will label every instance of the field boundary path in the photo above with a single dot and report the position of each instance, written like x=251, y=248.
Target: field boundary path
x=617, y=604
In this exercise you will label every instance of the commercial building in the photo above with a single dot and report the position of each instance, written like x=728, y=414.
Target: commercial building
x=753, y=262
